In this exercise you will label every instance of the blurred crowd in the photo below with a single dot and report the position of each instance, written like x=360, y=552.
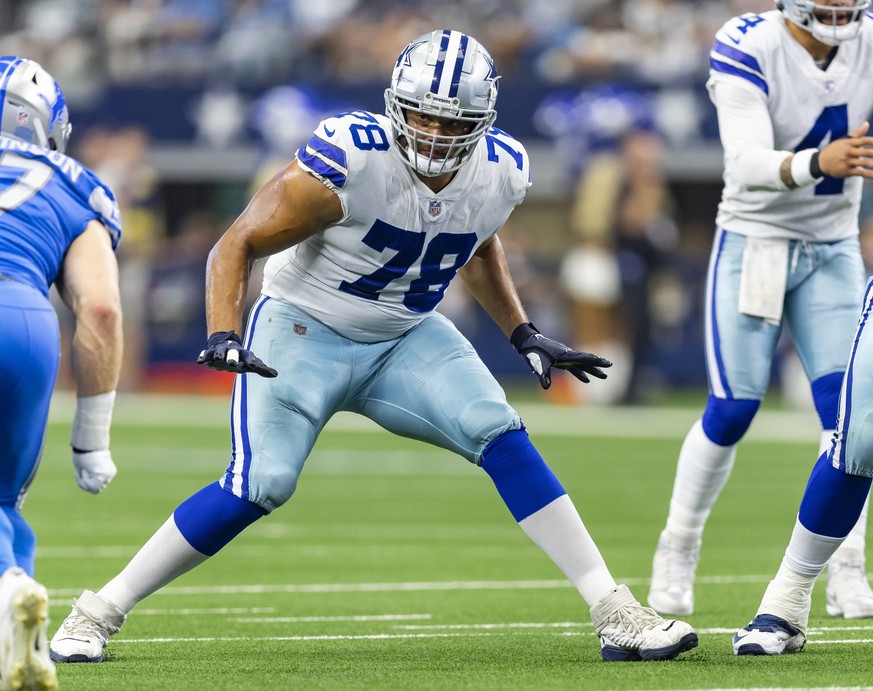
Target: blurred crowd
x=87, y=44
x=623, y=274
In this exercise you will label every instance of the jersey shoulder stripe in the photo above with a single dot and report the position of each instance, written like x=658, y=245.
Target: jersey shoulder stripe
x=728, y=68
x=721, y=49
x=325, y=159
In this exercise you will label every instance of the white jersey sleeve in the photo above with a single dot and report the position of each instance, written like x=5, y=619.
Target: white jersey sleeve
x=773, y=101
x=387, y=263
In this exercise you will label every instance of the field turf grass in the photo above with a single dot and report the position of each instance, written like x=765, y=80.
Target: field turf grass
x=396, y=566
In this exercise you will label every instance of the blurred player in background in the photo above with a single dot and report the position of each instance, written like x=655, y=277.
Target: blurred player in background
x=366, y=228
x=59, y=225
x=793, y=89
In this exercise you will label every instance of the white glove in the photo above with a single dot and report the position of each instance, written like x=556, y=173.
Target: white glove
x=94, y=469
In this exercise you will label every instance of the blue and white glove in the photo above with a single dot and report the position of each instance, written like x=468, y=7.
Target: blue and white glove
x=224, y=352
x=90, y=442
x=541, y=354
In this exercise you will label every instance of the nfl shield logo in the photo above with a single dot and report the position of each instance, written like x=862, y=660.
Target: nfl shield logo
x=23, y=117
x=434, y=210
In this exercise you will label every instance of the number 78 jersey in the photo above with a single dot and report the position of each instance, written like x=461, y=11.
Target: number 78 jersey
x=809, y=107
x=387, y=263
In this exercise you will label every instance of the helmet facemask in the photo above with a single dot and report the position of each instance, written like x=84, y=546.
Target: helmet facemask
x=809, y=15
x=449, y=75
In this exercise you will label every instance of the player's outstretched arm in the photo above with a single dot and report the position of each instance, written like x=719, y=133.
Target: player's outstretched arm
x=488, y=279
x=289, y=208
x=88, y=284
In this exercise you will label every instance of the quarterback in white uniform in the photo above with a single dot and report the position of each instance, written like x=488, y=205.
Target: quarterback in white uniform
x=793, y=90
x=365, y=230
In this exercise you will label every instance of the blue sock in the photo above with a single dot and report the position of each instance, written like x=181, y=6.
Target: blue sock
x=7, y=539
x=211, y=518
x=826, y=396
x=24, y=542
x=833, y=500
x=523, y=480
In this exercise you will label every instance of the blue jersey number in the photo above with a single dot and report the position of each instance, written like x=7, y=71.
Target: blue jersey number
x=408, y=245
x=369, y=136
x=495, y=139
x=832, y=124
x=744, y=23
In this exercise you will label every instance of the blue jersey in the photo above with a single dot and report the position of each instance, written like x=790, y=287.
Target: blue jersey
x=46, y=201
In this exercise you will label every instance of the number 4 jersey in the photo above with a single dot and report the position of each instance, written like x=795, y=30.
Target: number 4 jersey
x=387, y=263
x=809, y=107
x=46, y=201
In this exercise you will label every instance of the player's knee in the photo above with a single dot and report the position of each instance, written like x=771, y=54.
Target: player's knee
x=276, y=487
x=725, y=421
x=481, y=420
x=826, y=396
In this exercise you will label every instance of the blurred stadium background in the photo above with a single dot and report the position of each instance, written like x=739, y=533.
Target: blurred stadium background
x=185, y=106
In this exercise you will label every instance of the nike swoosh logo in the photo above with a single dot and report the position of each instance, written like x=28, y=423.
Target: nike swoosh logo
x=669, y=626
x=328, y=132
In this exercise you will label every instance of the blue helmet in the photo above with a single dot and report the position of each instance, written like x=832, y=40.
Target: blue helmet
x=32, y=105
x=443, y=74
x=845, y=18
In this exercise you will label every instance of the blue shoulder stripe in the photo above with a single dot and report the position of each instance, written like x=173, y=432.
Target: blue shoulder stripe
x=726, y=68
x=328, y=150
x=319, y=167
x=737, y=56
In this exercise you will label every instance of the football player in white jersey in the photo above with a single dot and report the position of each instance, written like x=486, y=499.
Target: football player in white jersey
x=364, y=230
x=794, y=91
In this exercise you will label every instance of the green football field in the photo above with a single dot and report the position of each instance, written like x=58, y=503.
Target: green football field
x=396, y=565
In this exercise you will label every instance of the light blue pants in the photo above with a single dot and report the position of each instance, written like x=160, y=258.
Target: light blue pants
x=852, y=449
x=428, y=384
x=824, y=289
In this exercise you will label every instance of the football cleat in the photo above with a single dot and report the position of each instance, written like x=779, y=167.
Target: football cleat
x=86, y=631
x=630, y=632
x=848, y=591
x=24, y=655
x=767, y=634
x=673, y=567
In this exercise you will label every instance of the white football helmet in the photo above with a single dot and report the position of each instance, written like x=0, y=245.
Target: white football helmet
x=32, y=105
x=808, y=15
x=444, y=74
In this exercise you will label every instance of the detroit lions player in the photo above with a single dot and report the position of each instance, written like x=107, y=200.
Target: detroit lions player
x=793, y=90
x=365, y=229
x=59, y=225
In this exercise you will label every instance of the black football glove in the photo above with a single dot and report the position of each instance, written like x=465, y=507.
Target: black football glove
x=542, y=353
x=224, y=352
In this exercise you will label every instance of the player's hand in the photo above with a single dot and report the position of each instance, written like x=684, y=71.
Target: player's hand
x=94, y=469
x=224, y=352
x=849, y=156
x=542, y=353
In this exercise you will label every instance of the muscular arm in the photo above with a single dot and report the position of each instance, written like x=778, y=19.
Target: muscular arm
x=289, y=208
x=88, y=284
x=487, y=277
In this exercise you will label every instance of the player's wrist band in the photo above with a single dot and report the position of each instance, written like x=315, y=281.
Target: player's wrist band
x=91, y=422
x=521, y=333
x=801, y=167
x=814, y=167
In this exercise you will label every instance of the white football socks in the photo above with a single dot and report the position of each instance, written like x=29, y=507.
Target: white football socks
x=558, y=530
x=701, y=473
x=166, y=556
